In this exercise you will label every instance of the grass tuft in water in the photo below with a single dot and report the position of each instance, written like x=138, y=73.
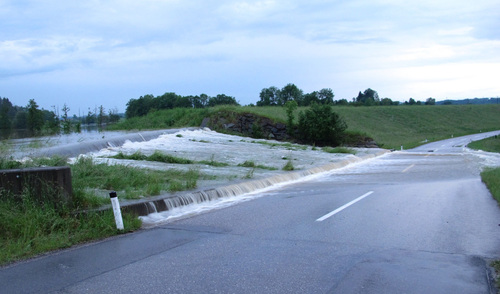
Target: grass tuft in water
x=156, y=156
x=251, y=163
x=212, y=162
x=288, y=166
x=338, y=150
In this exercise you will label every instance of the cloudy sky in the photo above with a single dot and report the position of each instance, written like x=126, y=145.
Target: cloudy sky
x=91, y=53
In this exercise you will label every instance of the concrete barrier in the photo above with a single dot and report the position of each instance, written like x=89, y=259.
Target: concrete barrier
x=46, y=184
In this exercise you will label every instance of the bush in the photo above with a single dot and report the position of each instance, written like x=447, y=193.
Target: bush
x=319, y=125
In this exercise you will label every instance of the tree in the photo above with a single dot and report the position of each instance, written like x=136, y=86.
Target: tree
x=290, y=107
x=386, y=102
x=325, y=96
x=290, y=92
x=183, y=102
x=66, y=122
x=310, y=98
x=102, y=118
x=91, y=117
x=5, y=108
x=52, y=122
x=165, y=101
x=34, y=120
x=113, y=115
x=369, y=97
x=430, y=101
x=269, y=97
x=319, y=125
x=199, y=101
x=21, y=119
x=222, y=99
x=342, y=102
x=139, y=107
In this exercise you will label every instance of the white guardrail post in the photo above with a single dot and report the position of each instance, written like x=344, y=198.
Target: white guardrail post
x=116, y=210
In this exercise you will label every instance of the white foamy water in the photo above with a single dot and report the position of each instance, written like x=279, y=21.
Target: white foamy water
x=204, y=144
x=485, y=159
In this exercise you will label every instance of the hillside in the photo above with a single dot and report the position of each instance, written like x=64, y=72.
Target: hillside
x=389, y=126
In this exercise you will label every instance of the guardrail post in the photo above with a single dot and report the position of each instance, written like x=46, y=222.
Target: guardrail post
x=116, y=210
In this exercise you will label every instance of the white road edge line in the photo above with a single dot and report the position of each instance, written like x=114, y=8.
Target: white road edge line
x=343, y=207
x=408, y=168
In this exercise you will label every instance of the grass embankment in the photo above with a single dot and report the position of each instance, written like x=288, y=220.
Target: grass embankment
x=390, y=126
x=491, y=177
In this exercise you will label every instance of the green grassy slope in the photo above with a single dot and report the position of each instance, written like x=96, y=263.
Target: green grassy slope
x=491, y=144
x=410, y=125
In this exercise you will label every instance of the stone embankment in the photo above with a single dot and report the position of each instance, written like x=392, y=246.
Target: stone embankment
x=249, y=124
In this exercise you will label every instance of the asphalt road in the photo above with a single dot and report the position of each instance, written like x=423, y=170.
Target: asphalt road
x=417, y=221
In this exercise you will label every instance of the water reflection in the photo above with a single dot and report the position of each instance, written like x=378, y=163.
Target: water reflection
x=11, y=134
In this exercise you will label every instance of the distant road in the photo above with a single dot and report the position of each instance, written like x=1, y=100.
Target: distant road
x=417, y=221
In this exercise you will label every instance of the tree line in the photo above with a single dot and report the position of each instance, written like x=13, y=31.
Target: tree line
x=274, y=96
x=39, y=121
x=144, y=104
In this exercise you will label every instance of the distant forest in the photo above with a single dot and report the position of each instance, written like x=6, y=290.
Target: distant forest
x=470, y=101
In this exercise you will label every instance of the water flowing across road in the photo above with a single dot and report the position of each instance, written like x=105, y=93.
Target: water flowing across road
x=231, y=184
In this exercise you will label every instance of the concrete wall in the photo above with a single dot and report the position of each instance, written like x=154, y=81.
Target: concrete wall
x=45, y=183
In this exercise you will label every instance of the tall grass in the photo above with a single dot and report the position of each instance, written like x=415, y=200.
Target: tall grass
x=30, y=227
x=133, y=181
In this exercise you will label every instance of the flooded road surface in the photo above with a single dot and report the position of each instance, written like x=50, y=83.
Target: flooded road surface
x=406, y=222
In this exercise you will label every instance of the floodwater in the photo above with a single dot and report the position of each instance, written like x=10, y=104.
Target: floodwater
x=198, y=145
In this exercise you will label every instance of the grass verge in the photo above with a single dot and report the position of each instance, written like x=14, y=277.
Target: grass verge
x=30, y=228
x=491, y=144
x=491, y=178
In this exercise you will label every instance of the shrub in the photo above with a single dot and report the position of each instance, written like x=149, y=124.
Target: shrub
x=319, y=125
